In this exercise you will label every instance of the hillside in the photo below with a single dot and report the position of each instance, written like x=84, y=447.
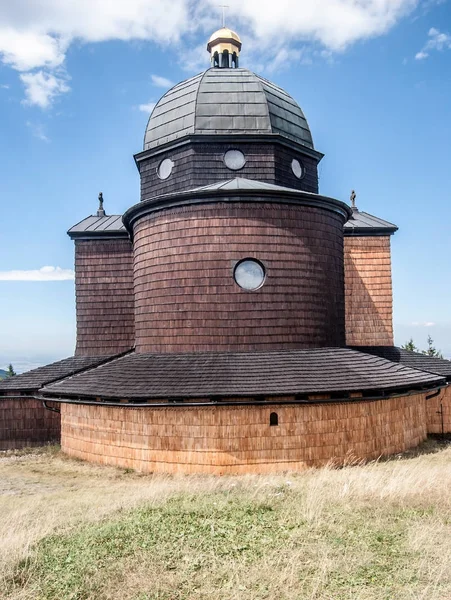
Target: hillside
x=365, y=532
x=2, y=374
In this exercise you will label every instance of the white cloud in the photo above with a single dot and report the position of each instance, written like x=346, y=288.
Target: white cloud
x=43, y=274
x=161, y=82
x=421, y=55
x=4, y=86
x=147, y=108
x=35, y=36
x=335, y=24
x=427, y=324
x=196, y=59
x=25, y=49
x=437, y=41
x=41, y=88
x=283, y=58
x=38, y=131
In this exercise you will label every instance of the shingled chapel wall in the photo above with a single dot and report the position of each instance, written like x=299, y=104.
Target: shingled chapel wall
x=186, y=298
x=25, y=422
x=104, y=297
x=368, y=290
x=240, y=439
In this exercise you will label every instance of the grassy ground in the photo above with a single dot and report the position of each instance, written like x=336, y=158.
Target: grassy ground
x=76, y=531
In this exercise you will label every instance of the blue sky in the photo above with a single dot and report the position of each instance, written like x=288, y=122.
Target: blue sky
x=77, y=82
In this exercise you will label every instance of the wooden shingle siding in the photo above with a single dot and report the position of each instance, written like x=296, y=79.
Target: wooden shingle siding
x=196, y=165
x=27, y=423
x=236, y=440
x=369, y=294
x=186, y=298
x=284, y=175
x=104, y=297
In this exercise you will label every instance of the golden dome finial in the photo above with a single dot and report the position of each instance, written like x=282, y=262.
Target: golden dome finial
x=224, y=47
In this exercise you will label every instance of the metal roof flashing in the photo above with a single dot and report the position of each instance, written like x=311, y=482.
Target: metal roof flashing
x=94, y=227
x=364, y=224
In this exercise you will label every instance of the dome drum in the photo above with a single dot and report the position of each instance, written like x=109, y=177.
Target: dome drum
x=198, y=163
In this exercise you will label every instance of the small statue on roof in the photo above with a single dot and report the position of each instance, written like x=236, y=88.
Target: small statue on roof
x=100, y=210
x=353, y=199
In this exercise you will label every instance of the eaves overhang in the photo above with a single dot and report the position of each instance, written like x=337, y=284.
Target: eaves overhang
x=262, y=376
x=368, y=232
x=102, y=235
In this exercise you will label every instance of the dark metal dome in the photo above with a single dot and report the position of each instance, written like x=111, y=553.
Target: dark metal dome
x=227, y=102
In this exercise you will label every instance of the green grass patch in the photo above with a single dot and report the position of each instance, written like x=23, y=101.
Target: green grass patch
x=230, y=545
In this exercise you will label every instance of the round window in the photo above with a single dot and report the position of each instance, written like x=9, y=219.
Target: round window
x=249, y=274
x=234, y=159
x=165, y=168
x=297, y=168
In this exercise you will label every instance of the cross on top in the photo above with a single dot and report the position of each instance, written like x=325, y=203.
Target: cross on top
x=224, y=8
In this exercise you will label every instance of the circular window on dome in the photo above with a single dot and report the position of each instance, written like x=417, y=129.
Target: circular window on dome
x=297, y=168
x=249, y=274
x=165, y=168
x=234, y=159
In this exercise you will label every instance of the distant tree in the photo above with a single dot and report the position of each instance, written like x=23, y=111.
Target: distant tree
x=410, y=346
x=10, y=371
x=431, y=350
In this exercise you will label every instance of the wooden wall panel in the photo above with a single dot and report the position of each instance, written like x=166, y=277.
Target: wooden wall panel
x=25, y=423
x=197, y=165
x=186, y=298
x=369, y=293
x=104, y=296
x=435, y=407
x=226, y=440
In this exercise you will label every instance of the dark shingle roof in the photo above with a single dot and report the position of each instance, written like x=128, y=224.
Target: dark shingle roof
x=226, y=101
x=362, y=223
x=274, y=373
x=108, y=226
x=414, y=360
x=35, y=379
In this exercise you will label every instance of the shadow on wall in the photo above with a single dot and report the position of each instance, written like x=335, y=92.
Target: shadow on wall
x=368, y=300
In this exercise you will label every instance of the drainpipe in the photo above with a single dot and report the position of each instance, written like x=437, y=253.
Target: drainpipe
x=439, y=412
x=51, y=408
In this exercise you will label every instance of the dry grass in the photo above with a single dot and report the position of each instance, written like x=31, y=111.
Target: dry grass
x=375, y=532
